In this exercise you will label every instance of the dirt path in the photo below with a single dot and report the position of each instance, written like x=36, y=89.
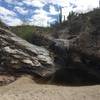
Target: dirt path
x=26, y=89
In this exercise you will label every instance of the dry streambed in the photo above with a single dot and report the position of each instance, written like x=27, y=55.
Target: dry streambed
x=24, y=88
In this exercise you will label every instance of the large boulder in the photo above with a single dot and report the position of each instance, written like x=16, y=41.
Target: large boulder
x=18, y=54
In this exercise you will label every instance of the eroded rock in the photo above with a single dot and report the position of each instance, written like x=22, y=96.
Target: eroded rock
x=16, y=53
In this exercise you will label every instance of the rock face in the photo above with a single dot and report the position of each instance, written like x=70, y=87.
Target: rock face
x=85, y=50
x=75, y=59
x=88, y=44
x=78, y=58
x=60, y=48
x=18, y=54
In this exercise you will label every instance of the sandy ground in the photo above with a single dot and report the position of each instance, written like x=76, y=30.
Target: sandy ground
x=26, y=89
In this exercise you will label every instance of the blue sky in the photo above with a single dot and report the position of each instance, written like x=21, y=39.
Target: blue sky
x=40, y=12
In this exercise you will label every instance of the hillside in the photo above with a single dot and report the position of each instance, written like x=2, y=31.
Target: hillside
x=79, y=23
x=75, y=25
x=32, y=34
x=27, y=32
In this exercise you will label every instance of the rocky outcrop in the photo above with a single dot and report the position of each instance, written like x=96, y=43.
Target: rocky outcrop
x=86, y=48
x=19, y=55
x=88, y=44
x=60, y=48
x=78, y=58
x=71, y=59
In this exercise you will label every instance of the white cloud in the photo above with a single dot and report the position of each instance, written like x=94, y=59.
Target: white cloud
x=9, y=17
x=8, y=1
x=35, y=3
x=58, y=2
x=81, y=6
x=20, y=3
x=62, y=2
x=40, y=19
x=15, y=2
x=53, y=10
x=86, y=5
x=21, y=10
x=14, y=22
x=11, y=21
x=40, y=11
x=6, y=12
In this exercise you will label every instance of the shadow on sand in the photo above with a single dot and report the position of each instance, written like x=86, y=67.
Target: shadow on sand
x=69, y=78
